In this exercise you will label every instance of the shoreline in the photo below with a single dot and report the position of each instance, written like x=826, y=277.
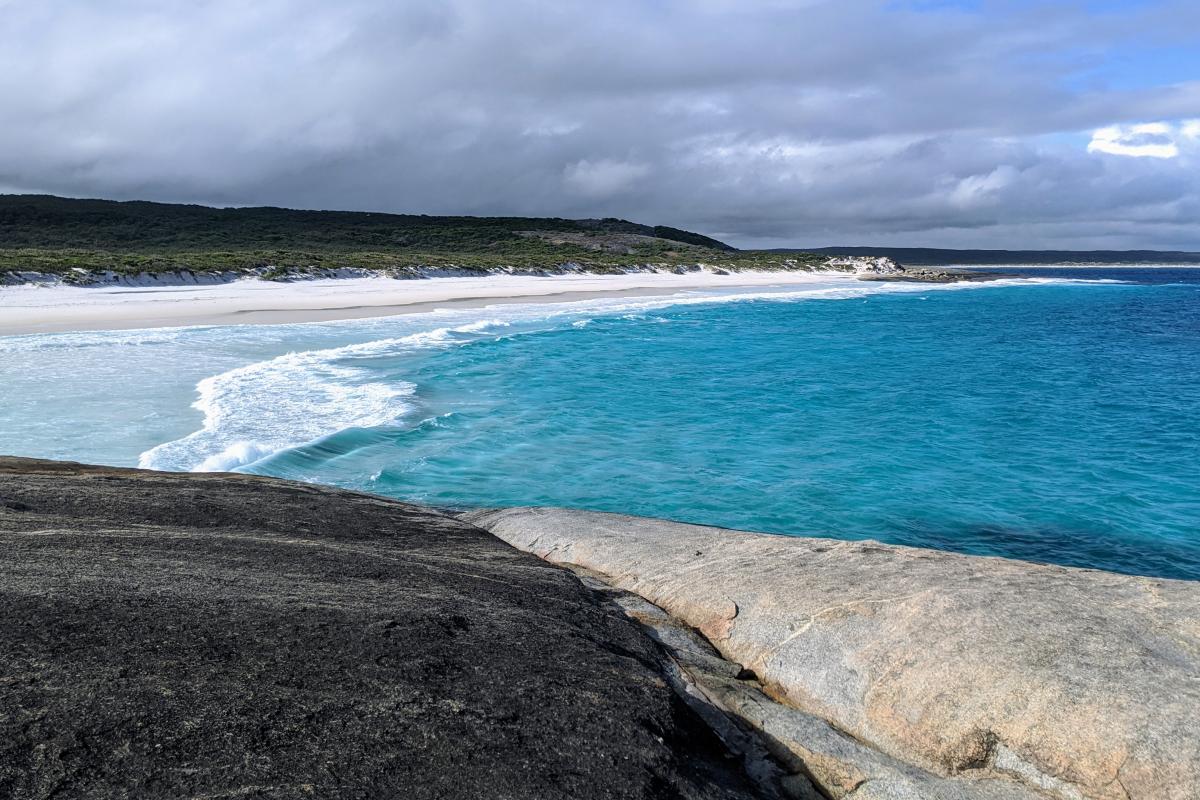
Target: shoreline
x=733, y=664
x=61, y=309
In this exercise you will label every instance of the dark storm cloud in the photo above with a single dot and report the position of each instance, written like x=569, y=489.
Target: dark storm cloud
x=767, y=123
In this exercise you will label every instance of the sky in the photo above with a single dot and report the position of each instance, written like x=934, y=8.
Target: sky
x=766, y=123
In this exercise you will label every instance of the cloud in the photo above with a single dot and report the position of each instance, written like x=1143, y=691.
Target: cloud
x=976, y=190
x=1147, y=140
x=769, y=122
x=602, y=178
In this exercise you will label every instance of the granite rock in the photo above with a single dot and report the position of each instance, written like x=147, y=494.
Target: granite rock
x=230, y=636
x=1075, y=683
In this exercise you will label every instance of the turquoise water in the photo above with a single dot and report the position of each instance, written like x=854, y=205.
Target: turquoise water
x=1051, y=419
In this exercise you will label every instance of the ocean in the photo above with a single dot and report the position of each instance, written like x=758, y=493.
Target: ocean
x=1052, y=417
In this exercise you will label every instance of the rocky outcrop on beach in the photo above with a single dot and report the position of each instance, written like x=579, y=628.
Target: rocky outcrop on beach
x=27, y=278
x=900, y=672
x=229, y=636
x=179, y=277
x=881, y=268
x=868, y=265
x=183, y=277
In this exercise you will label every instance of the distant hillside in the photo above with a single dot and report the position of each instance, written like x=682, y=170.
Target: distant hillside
x=83, y=240
x=54, y=234
x=45, y=221
x=934, y=257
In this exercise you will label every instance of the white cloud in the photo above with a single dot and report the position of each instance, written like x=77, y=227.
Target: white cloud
x=604, y=177
x=977, y=190
x=1146, y=140
x=550, y=128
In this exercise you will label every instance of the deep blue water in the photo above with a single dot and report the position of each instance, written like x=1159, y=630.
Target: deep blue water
x=1052, y=421
x=1150, y=276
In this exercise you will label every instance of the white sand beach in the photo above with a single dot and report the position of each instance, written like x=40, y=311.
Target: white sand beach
x=42, y=309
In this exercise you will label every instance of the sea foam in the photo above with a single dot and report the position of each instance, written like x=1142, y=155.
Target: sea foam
x=254, y=411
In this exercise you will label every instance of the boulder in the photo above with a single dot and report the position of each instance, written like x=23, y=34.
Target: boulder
x=1072, y=682
x=231, y=636
x=873, y=265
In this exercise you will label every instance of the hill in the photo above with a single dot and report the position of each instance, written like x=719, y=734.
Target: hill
x=57, y=235
x=82, y=240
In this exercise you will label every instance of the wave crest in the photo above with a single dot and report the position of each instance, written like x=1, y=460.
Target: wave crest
x=254, y=411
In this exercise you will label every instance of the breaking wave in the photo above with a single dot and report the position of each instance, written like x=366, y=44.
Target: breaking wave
x=257, y=410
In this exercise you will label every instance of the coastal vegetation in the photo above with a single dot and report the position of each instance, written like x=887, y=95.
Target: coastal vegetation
x=89, y=241
x=63, y=236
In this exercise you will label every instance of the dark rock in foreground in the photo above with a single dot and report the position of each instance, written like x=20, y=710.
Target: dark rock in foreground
x=224, y=636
